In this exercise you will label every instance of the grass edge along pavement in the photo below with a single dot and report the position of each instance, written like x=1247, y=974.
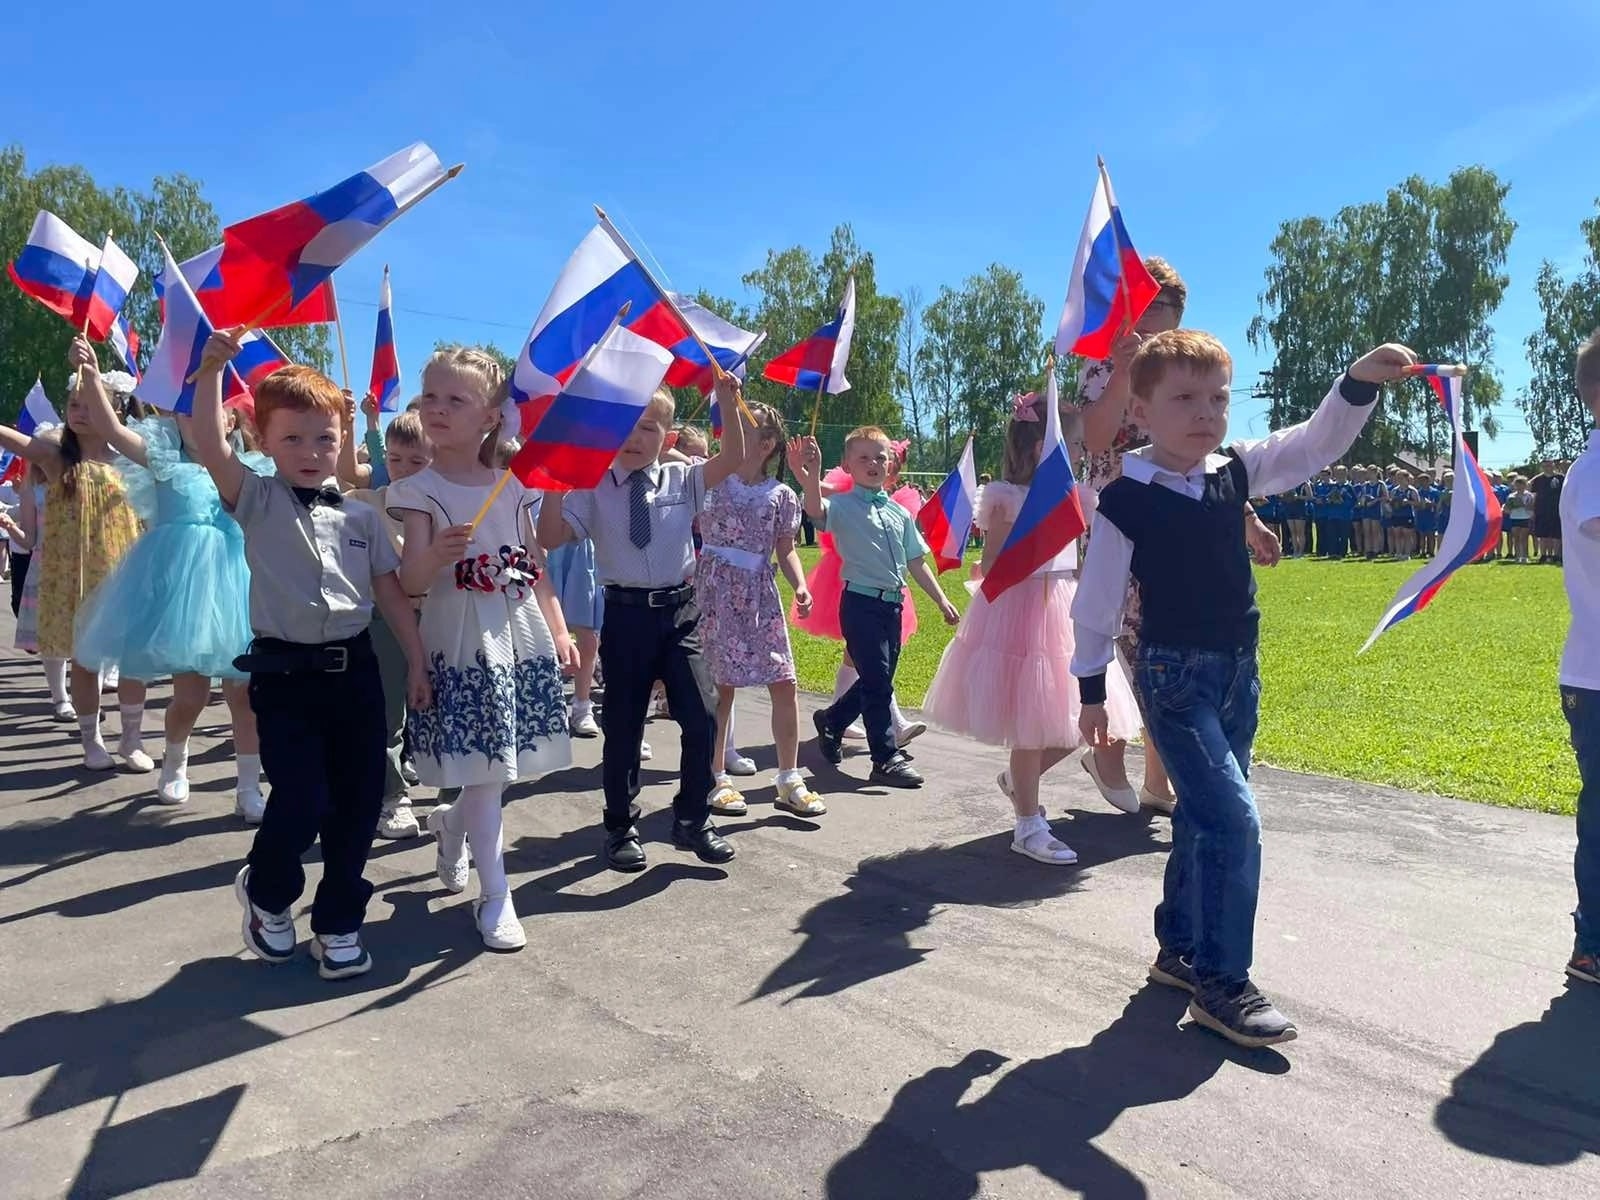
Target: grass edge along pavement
x=1459, y=700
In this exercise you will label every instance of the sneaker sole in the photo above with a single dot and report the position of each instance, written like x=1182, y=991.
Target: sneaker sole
x=1049, y=862
x=903, y=784
x=332, y=974
x=1156, y=975
x=243, y=898
x=1583, y=975
x=1201, y=1017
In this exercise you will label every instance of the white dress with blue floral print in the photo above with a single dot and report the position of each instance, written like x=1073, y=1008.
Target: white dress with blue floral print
x=499, y=714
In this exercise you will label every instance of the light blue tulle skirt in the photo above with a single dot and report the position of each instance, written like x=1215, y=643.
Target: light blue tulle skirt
x=178, y=603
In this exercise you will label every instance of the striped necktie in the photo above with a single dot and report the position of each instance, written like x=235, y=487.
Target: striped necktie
x=638, y=510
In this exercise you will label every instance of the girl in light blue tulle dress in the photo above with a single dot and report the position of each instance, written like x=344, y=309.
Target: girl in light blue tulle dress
x=178, y=603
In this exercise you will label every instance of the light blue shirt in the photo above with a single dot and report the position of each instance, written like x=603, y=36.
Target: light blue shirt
x=875, y=537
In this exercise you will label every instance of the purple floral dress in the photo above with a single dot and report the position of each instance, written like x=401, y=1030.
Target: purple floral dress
x=742, y=624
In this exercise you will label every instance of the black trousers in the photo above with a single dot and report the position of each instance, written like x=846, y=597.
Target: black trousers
x=1338, y=544
x=638, y=646
x=871, y=629
x=19, y=576
x=322, y=744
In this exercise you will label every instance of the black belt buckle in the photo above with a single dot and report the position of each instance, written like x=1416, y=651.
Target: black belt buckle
x=341, y=659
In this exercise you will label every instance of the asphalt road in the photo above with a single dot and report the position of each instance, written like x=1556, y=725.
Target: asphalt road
x=883, y=1003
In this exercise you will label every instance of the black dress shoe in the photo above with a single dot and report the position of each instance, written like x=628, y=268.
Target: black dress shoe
x=623, y=851
x=708, y=845
x=897, y=772
x=831, y=744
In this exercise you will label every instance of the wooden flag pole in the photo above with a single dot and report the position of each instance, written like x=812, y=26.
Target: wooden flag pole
x=760, y=338
x=1452, y=370
x=1116, y=240
x=505, y=475
x=338, y=328
x=716, y=367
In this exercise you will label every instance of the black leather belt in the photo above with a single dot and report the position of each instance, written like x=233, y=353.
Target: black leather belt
x=668, y=597
x=273, y=656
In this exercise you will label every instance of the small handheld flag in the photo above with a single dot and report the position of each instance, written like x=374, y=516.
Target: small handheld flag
x=1474, y=525
x=1110, y=286
x=72, y=278
x=738, y=370
x=385, y=383
x=817, y=364
x=168, y=382
x=37, y=412
x=1051, y=514
x=228, y=307
x=946, y=519
x=124, y=341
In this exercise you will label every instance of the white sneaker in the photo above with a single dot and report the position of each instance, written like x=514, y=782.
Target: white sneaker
x=450, y=860
x=250, y=804
x=1123, y=799
x=64, y=711
x=498, y=923
x=131, y=751
x=340, y=955
x=903, y=734
x=735, y=763
x=584, y=725
x=97, y=758
x=855, y=732
x=397, y=821
x=645, y=753
x=172, y=791
x=269, y=936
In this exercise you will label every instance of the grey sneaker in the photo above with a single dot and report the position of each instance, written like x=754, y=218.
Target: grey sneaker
x=1172, y=970
x=397, y=820
x=340, y=955
x=1242, y=1015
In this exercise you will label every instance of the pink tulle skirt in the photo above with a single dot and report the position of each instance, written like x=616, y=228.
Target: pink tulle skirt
x=1004, y=679
x=827, y=585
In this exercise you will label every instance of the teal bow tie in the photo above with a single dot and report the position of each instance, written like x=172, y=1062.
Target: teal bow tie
x=879, y=499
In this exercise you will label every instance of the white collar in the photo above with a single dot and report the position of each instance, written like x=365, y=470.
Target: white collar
x=1138, y=465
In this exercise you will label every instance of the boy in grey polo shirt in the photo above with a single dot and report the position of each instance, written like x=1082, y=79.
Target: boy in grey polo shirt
x=318, y=565
x=641, y=517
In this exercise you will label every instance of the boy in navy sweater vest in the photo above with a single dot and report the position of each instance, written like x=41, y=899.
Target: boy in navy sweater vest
x=1172, y=521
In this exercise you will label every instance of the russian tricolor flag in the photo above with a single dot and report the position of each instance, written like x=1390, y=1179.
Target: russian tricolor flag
x=1110, y=286
x=600, y=278
x=738, y=370
x=124, y=341
x=585, y=424
x=385, y=382
x=1474, y=526
x=184, y=332
x=11, y=467
x=207, y=273
x=1051, y=515
x=817, y=364
x=946, y=519
x=284, y=255
x=37, y=411
x=258, y=357
x=69, y=276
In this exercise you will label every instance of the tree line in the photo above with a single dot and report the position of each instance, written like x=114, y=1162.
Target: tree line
x=1424, y=264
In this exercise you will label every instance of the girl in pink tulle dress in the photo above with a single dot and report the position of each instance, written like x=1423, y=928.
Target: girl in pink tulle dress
x=1004, y=678
x=826, y=584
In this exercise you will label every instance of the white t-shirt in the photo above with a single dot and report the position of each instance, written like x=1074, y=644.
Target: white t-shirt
x=1580, y=551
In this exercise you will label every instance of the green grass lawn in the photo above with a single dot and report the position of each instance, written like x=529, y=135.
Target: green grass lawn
x=1459, y=700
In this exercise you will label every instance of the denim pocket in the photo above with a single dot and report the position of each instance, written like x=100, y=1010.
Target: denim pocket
x=1168, y=681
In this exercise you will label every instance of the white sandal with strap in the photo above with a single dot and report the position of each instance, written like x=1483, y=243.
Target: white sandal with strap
x=726, y=800
x=1034, y=839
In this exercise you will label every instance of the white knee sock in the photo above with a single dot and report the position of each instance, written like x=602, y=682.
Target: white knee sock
x=843, y=680
x=729, y=746
x=55, y=677
x=132, y=725
x=89, y=730
x=478, y=814
x=249, y=768
x=175, y=762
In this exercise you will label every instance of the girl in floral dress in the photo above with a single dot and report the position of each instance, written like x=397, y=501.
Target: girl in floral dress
x=88, y=525
x=746, y=520
x=496, y=641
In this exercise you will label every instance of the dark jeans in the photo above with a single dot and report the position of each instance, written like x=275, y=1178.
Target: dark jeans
x=1338, y=531
x=1320, y=525
x=1201, y=706
x=322, y=742
x=871, y=629
x=1583, y=715
x=637, y=647
x=19, y=576
x=392, y=670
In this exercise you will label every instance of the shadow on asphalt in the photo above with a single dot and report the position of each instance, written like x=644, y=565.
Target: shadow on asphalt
x=865, y=932
x=1042, y=1114
x=1534, y=1095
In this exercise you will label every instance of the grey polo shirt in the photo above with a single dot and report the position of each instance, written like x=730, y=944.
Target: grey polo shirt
x=311, y=569
x=676, y=494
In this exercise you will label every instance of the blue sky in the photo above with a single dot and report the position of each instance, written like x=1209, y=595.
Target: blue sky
x=950, y=135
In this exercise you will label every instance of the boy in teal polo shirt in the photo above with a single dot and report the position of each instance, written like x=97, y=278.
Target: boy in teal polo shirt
x=880, y=545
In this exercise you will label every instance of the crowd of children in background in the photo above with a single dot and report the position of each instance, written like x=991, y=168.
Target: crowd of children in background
x=1367, y=512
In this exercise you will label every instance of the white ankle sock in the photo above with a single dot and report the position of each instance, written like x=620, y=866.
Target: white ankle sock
x=249, y=768
x=89, y=730
x=582, y=708
x=132, y=724
x=55, y=677
x=175, y=762
x=843, y=680
x=791, y=775
x=478, y=812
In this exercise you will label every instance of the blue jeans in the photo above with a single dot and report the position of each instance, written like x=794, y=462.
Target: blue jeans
x=1583, y=715
x=1201, y=708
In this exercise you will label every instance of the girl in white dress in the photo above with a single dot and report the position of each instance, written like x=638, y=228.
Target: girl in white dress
x=492, y=627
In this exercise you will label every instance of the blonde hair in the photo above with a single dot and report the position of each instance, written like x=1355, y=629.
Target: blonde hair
x=1177, y=347
x=868, y=433
x=406, y=430
x=491, y=374
x=1173, y=289
x=662, y=402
